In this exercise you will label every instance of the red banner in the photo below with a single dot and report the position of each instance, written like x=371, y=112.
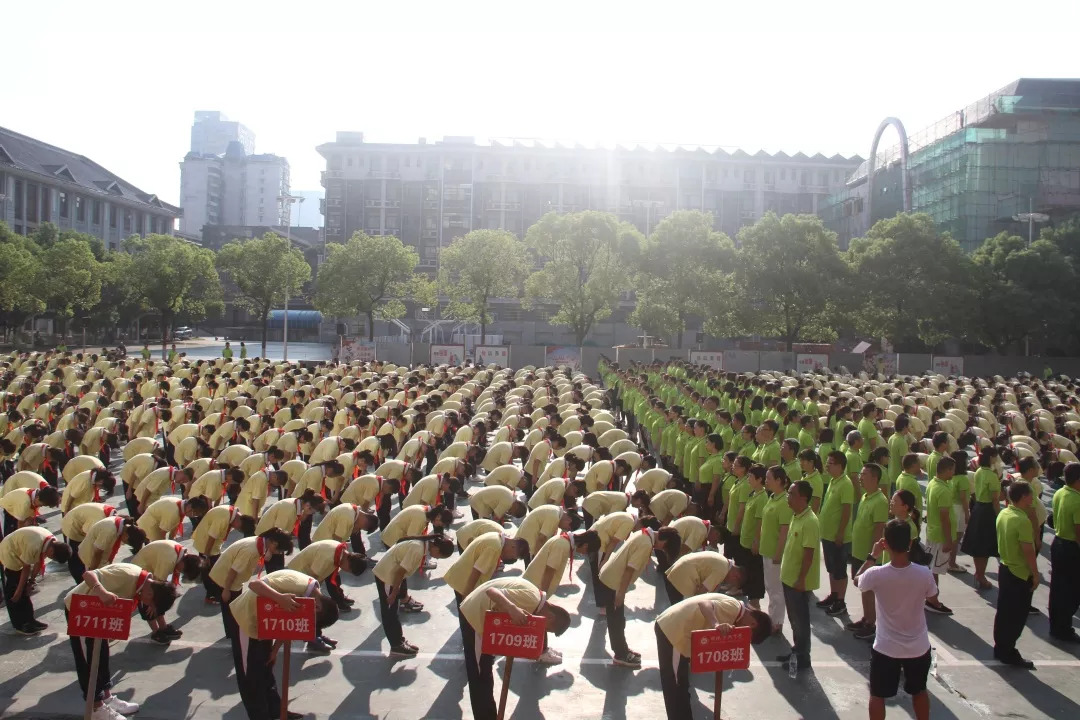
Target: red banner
x=278, y=624
x=503, y=637
x=713, y=652
x=90, y=617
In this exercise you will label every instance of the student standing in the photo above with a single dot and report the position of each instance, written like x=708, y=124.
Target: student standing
x=225, y=579
x=902, y=644
x=836, y=516
x=1018, y=575
x=962, y=500
x=800, y=570
x=324, y=560
x=391, y=574
x=1065, y=558
x=940, y=526
x=750, y=555
x=869, y=527
x=775, y=522
x=980, y=538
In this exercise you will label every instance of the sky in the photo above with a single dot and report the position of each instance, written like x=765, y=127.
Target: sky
x=119, y=81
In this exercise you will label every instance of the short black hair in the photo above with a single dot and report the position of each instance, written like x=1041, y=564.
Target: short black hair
x=804, y=488
x=898, y=536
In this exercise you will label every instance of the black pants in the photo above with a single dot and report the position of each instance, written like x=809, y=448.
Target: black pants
x=11, y=523
x=194, y=520
x=616, y=625
x=389, y=613
x=255, y=677
x=333, y=588
x=303, y=537
x=673, y=594
x=83, y=649
x=1064, y=585
x=357, y=542
x=1014, y=599
x=75, y=564
x=275, y=563
x=601, y=592
x=674, y=682
x=20, y=611
x=478, y=668
x=383, y=512
x=131, y=502
x=588, y=518
x=798, y=612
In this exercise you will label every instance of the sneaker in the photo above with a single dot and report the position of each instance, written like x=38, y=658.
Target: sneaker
x=172, y=633
x=629, y=659
x=866, y=632
x=458, y=515
x=853, y=626
x=159, y=637
x=28, y=630
x=837, y=608
x=318, y=647
x=549, y=658
x=1032, y=610
x=328, y=641
x=1015, y=659
x=122, y=706
x=1074, y=637
x=957, y=569
x=343, y=607
x=403, y=650
x=939, y=609
x=430, y=564
x=828, y=601
x=104, y=712
x=38, y=624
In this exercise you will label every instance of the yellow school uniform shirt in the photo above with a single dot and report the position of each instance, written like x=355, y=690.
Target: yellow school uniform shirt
x=158, y=483
x=78, y=522
x=210, y=485
x=604, y=502
x=482, y=555
x=18, y=504
x=79, y=490
x=101, y=536
x=550, y=493
x=700, y=568
x=614, y=526
x=281, y=515
x=554, y=554
x=313, y=479
x=599, y=475
x=23, y=548
x=161, y=518
x=633, y=555
x=405, y=556
x=692, y=530
x=653, y=481
x=505, y=475
x=243, y=557
x=474, y=529
x=24, y=480
x=362, y=491
x=683, y=618
x=669, y=504
x=159, y=557
x=244, y=608
x=338, y=523
x=517, y=590
x=319, y=559
x=253, y=492
x=492, y=501
x=121, y=579
x=216, y=524
x=498, y=454
x=424, y=492
x=409, y=522
x=542, y=521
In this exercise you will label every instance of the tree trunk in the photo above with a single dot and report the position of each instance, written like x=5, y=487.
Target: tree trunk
x=371, y=326
x=166, y=322
x=265, y=329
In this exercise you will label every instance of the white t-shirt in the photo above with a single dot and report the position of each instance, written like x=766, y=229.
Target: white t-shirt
x=900, y=595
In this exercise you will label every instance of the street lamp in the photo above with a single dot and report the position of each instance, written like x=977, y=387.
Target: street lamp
x=289, y=200
x=1031, y=218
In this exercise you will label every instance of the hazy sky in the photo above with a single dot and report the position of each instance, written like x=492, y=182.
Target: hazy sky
x=119, y=81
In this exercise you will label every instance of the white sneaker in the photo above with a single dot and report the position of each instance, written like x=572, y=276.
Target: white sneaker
x=458, y=515
x=122, y=706
x=549, y=657
x=105, y=713
x=430, y=564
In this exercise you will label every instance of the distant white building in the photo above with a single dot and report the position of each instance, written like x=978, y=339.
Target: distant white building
x=212, y=132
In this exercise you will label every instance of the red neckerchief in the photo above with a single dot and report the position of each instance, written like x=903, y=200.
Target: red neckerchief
x=102, y=441
x=108, y=510
x=565, y=470
x=143, y=576
x=611, y=480
x=566, y=536
x=69, y=450
x=172, y=482
x=296, y=525
x=379, y=494
x=179, y=554
x=338, y=552
x=41, y=558
x=32, y=494
x=260, y=548
x=119, y=522
x=223, y=485
x=157, y=420
x=322, y=490
x=180, y=523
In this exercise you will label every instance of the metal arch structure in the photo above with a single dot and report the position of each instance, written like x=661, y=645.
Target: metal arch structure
x=905, y=185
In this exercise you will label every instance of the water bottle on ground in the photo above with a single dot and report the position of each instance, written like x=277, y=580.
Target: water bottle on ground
x=793, y=666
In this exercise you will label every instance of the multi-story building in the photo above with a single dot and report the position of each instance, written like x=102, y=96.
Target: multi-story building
x=233, y=189
x=979, y=170
x=429, y=193
x=212, y=132
x=42, y=183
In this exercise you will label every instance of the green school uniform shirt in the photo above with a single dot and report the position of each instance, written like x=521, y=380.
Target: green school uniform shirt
x=804, y=532
x=1066, y=506
x=775, y=515
x=939, y=496
x=898, y=448
x=841, y=492
x=817, y=483
x=755, y=506
x=907, y=481
x=987, y=482
x=738, y=494
x=873, y=509
x=1014, y=530
x=869, y=432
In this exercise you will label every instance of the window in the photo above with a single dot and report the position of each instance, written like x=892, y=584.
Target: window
x=46, y=204
x=80, y=208
x=140, y=223
x=127, y=221
x=63, y=204
x=112, y=216
x=31, y=202
x=95, y=214
x=18, y=199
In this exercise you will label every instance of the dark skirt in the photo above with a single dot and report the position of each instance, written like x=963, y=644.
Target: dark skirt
x=980, y=538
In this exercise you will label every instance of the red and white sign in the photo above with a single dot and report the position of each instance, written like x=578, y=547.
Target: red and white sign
x=503, y=637
x=493, y=355
x=90, y=617
x=713, y=652
x=811, y=362
x=714, y=360
x=276, y=623
x=357, y=351
x=946, y=365
x=447, y=354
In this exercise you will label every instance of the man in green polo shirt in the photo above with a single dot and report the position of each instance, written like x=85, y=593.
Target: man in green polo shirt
x=800, y=570
x=868, y=429
x=1065, y=558
x=1018, y=576
x=941, y=529
x=869, y=527
x=899, y=446
x=836, y=516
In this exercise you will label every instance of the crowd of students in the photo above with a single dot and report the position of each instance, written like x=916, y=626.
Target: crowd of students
x=672, y=462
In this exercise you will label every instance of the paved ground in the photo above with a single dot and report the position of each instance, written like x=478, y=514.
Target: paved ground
x=193, y=678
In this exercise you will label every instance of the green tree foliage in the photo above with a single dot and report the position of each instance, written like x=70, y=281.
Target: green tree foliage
x=367, y=276
x=911, y=283
x=789, y=274
x=120, y=304
x=19, y=270
x=478, y=267
x=69, y=278
x=587, y=259
x=681, y=265
x=266, y=271
x=172, y=277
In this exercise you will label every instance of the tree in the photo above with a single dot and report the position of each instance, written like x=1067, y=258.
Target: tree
x=480, y=266
x=19, y=270
x=172, y=276
x=366, y=276
x=788, y=272
x=120, y=302
x=587, y=259
x=1020, y=289
x=654, y=313
x=680, y=267
x=911, y=284
x=266, y=272
x=68, y=279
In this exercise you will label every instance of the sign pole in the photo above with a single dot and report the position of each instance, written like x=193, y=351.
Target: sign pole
x=719, y=694
x=91, y=690
x=505, y=686
x=285, y=681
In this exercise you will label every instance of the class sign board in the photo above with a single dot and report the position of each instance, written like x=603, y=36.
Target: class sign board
x=811, y=362
x=713, y=652
x=715, y=360
x=90, y=617
x=503, y=637
x=276, y=623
